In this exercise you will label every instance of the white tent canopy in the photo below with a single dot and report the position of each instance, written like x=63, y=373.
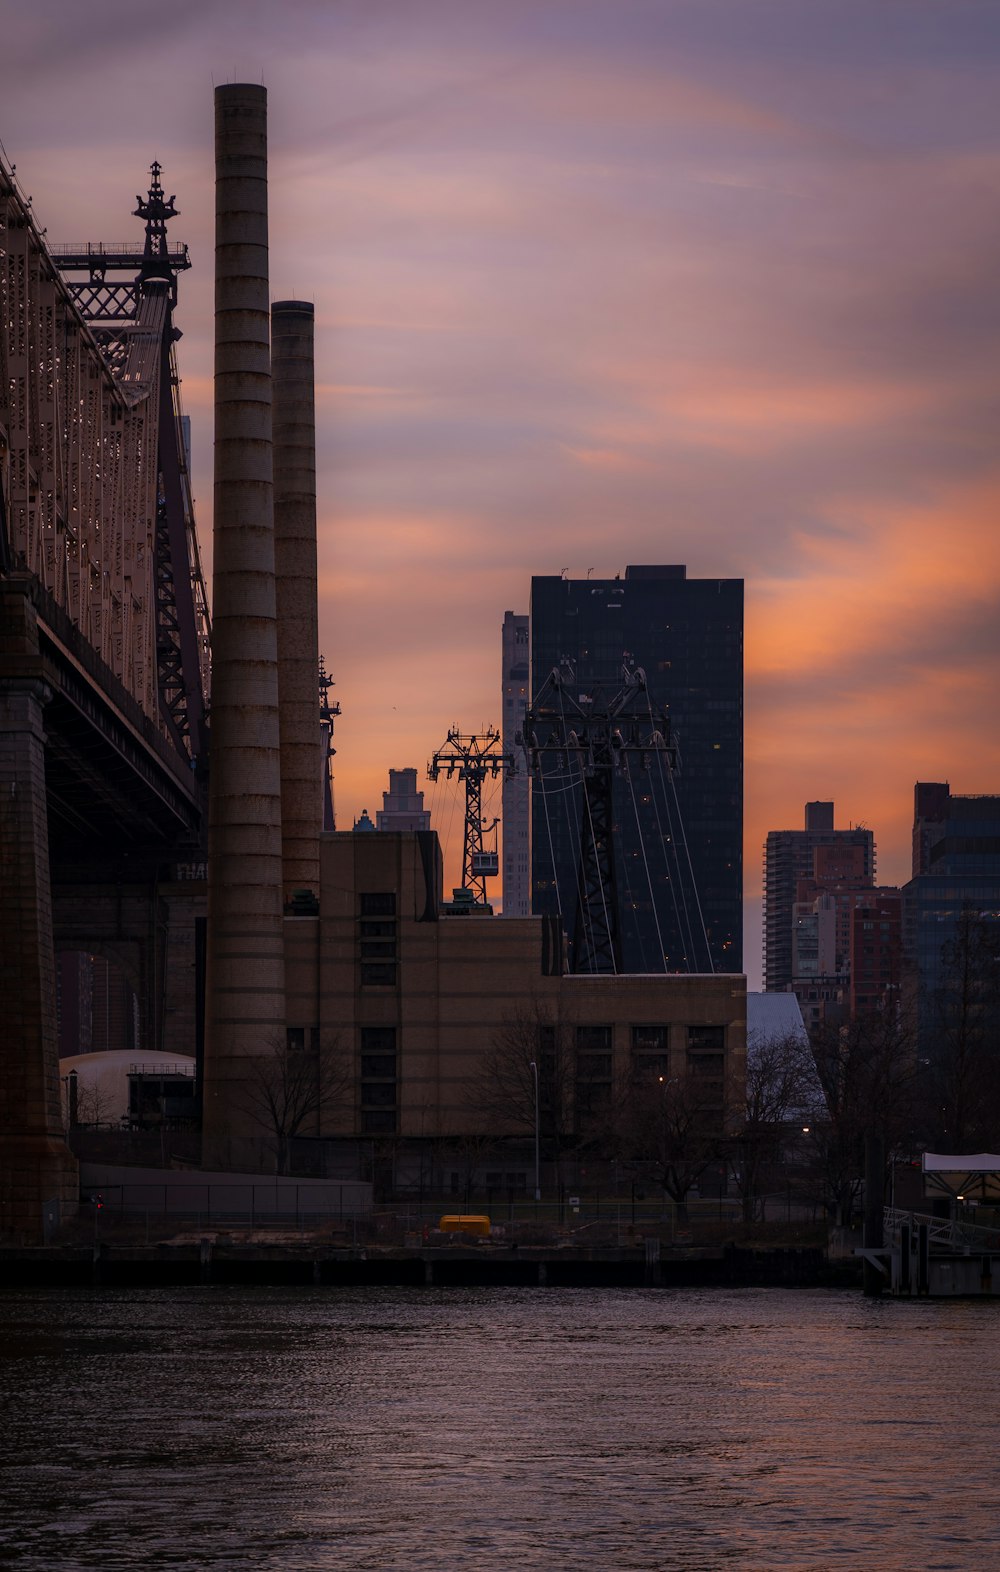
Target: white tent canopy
x=962, y=1176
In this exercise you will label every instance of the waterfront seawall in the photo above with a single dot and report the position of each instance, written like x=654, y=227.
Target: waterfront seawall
x=211, y=1262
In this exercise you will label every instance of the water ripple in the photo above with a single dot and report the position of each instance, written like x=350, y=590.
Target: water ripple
x=215, y=1428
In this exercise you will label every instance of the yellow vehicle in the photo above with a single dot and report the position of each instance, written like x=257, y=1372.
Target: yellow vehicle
x=478, y=1226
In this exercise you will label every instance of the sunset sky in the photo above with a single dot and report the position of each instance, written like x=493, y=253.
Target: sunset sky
x=600, y=282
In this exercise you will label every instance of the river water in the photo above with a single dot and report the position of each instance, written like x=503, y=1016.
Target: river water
x=494, y=1429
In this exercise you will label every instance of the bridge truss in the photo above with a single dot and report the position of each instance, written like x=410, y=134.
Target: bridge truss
x=95, y=500
x=104, y=643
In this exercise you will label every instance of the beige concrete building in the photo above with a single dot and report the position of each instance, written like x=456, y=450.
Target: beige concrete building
x=415, y=998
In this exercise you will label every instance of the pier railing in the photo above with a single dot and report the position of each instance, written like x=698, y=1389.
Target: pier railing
x=946, y=1232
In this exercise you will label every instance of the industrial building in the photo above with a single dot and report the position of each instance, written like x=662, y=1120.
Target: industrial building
x=412, y=1000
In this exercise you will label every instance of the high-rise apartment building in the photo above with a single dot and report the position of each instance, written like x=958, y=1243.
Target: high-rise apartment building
x=876, y=951
x=679, y=866
x=516, y=679
x=97, y=1009
x=801, y=867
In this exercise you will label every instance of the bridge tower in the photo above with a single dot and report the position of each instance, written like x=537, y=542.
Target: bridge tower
x=329, y=709
x=129, y=311
x=103, y=650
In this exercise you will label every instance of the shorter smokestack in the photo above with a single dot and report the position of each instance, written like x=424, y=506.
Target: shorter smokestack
x=297, y=591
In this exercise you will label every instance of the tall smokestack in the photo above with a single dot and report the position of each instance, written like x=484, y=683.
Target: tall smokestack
x=295, y=568
x=245, y=981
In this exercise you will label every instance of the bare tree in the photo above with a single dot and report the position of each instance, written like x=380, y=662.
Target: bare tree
x=871, y=1078
x=671, y=1131
x=95, y=1104
x=466, y=1155
x=781, y=1084
x=283, y=1091
x=503, y=1091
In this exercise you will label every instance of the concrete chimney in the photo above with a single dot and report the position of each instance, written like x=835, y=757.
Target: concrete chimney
x=297, y=591
x=245, y=982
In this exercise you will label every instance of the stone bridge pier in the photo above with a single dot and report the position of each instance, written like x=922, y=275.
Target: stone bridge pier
x=38, y=1174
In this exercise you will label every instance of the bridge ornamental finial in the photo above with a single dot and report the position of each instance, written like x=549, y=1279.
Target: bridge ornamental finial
x=156, y=210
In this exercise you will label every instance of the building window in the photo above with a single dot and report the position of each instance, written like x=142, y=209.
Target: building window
x=378, y=1122
x=651, y=1066
x=593, y=1039
x=378, y=1080
x=650, y=1059
x=378, y=1039
x=594, y=1067
x=375, y=1094
x=591, y=1097
x=378, y=949
x=378, y=974
x=593, y=1071
x=708, y=1037
x=706, y=1065
x=378, y=1066
x=649, y=1039
x=378, y=939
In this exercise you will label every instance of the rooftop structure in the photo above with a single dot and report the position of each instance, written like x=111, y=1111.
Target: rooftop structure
x=403, y=805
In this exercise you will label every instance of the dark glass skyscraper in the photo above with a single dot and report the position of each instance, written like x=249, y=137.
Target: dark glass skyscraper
x=679, y=874
x=956, y=878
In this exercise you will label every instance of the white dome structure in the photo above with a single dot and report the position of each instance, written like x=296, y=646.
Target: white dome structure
x=103, y=1085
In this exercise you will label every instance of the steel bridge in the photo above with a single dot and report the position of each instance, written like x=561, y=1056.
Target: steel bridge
x=104, y=656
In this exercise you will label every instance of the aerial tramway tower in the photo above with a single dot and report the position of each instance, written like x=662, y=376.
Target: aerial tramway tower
x=472, y=758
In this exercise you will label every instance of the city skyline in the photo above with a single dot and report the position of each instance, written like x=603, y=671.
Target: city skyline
x=606, y=262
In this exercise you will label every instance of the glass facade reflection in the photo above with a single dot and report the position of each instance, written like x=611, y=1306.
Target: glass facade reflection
x=956, y=878
x=687, y=635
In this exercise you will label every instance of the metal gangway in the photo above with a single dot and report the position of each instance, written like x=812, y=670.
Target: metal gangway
x=943, y=1256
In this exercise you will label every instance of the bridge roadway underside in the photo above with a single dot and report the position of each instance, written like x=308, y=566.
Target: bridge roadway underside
x=95, y=808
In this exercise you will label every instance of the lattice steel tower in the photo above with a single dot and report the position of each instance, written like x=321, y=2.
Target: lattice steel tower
x=584, y=742
x=472, y=758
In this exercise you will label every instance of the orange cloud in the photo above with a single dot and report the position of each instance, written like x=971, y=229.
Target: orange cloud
x=872, y=591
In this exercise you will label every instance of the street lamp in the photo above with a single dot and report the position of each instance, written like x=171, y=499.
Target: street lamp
x=538, y=1188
